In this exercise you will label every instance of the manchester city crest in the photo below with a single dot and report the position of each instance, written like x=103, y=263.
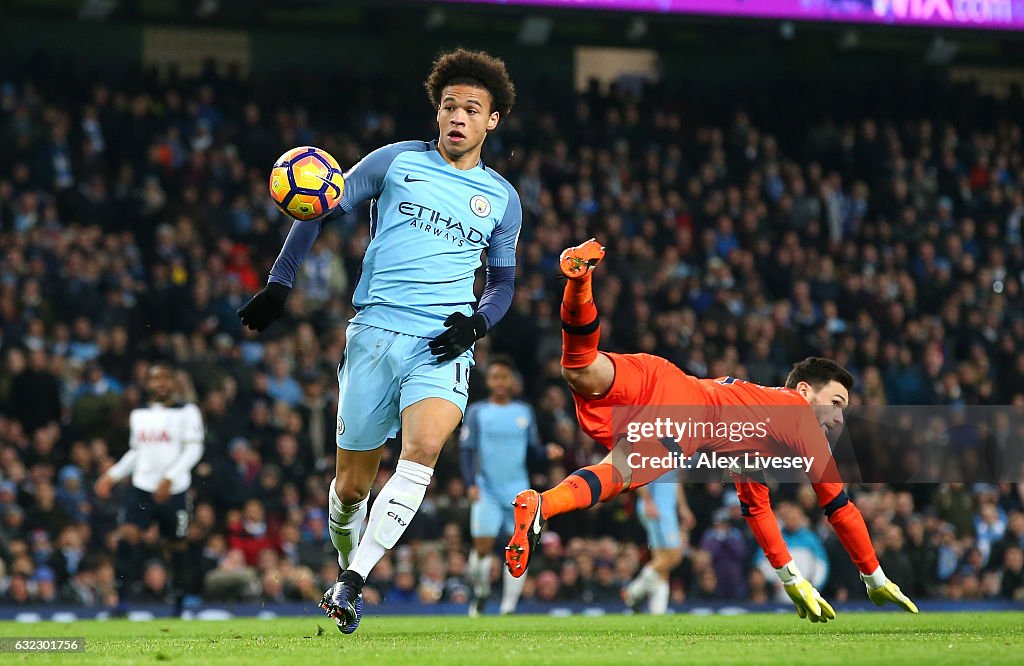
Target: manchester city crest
x=480, y=205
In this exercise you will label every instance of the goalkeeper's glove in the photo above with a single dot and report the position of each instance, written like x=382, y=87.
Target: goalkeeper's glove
x=809, y=603
x=882, y=590
x=265, y=307
x=462, y=332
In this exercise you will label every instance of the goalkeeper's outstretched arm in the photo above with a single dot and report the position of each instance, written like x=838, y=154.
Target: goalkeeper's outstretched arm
x=756, y=504
x=847, y=521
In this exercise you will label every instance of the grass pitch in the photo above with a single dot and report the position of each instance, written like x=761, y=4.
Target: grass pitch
x=854, y=638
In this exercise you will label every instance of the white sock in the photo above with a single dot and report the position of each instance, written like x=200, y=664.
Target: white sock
x=480, y=573
x=640, y=587
x=658, y=603
x=511, y=590
x=392, y=511
x=345, y=524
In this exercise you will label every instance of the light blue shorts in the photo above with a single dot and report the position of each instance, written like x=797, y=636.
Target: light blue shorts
x=663, y=532
x=490, y=516
x=382, y=373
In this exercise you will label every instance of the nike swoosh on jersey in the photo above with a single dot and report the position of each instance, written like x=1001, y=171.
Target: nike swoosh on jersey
x=415, y=180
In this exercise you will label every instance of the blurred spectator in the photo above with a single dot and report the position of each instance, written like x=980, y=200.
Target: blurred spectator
x=729, y=554
x=249, y=532
x=35, y=393
x=805, y=546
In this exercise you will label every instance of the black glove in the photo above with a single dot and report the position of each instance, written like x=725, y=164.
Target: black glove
x=462, y=332
x=265, y=307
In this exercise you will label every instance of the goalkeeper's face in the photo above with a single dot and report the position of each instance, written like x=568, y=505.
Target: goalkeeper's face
x=828, y=403
x=464, y=118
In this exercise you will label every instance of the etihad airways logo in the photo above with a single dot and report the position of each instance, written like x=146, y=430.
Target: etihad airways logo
x=433, y=222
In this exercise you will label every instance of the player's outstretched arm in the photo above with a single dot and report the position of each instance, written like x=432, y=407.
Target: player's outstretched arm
x=267, y=306
x=755, y=501
x=364, y=181
x=848, y=522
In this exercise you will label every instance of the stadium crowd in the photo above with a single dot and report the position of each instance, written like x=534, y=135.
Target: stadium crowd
x=134, y=221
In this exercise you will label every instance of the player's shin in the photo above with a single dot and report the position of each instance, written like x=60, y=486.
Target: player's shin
x=179, y=576
x=511, y=590
x=581, y=327
x=582, y=489
x=345, y=522
x=642, y=585
x=392, y=511
x=660, y=592
x=128, y=562
x=480, y=573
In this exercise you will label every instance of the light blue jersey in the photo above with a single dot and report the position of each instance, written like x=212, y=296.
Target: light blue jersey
x=429, y=223
x=664, y=531
x=499, y=437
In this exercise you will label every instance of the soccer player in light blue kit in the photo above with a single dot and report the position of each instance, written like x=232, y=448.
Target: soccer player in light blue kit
x=434, y=208
x=498, y=436
x=660, y=505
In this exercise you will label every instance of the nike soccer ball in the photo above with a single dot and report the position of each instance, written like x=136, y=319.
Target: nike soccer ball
x=306, y=183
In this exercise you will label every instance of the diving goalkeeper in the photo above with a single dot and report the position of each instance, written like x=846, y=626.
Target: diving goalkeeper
x=794, y=421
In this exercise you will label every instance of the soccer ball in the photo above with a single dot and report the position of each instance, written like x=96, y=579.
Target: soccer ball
x=306, y=183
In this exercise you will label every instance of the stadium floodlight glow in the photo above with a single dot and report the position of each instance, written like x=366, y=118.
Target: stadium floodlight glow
x=849, y=40
x=97, y=10
x=637, y=30
x=207, y=8
x=941, y=51
x=435, y=19
x=535, y=30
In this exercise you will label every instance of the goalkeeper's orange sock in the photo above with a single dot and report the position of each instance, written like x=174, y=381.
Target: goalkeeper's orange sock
x=581, y=490
x=581, y=327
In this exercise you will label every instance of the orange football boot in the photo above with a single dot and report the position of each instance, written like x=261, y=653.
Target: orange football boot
x=526, y=537
x=577, y=261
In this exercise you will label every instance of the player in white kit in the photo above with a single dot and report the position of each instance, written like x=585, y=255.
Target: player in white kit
x=165, y=443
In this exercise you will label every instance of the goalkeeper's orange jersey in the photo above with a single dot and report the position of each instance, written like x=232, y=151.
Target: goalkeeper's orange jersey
x=727, y=415
x=646, y=387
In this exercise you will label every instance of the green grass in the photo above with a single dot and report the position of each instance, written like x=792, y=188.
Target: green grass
x=854, y=639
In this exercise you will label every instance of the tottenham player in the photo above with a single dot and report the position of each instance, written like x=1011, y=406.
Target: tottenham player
x=497, y=438
x=434, y=208
x=805, y=411
x=165, y=443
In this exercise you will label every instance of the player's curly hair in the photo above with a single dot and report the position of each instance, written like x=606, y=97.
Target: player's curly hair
x=475, y=68
x=817, y=372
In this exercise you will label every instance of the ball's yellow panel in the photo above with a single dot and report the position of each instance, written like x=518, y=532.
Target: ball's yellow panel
x=279, y=185
x=305, y=207
x=310, y=173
